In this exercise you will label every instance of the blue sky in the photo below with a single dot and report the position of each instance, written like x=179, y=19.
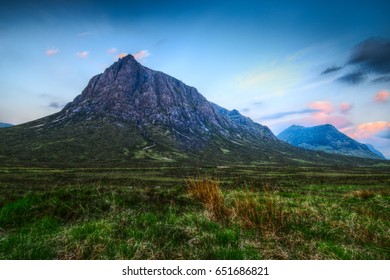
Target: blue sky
x=278, y=62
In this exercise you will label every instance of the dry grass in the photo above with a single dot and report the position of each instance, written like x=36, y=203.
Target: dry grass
x=259, y=210
x=363, y=194
x=208, y=192
x=253, y=210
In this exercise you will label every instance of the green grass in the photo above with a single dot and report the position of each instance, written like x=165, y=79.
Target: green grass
x=149, y=213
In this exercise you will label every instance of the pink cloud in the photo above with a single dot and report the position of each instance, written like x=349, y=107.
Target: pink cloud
x=382, y=96
x=141, y=54
x=52, y=51
x=323, y=118
x=322, y=106
x=83, y=54
x=366, y=130
x=112, y=50
x=345, y=107
x=323, y=114
x=121, y=55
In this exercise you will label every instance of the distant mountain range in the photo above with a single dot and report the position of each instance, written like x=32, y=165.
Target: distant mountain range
x=328, y=139
x=5, y=125
x=133, y=115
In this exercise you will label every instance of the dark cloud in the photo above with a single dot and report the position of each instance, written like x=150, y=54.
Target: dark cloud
x=353, y=78
x=245, y=110
x=372, y=55
x=284, y=114
x=55, y=105
x=331, y=69
x=382, y=79
x=384, y=134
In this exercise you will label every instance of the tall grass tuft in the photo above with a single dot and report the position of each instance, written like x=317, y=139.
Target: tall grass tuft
x=254, y=210
x=259, y=210
x=208, y=191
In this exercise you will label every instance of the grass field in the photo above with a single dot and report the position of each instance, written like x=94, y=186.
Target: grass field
x=224, y=212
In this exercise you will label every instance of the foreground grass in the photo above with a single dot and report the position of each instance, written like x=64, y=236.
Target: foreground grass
x=199, y=219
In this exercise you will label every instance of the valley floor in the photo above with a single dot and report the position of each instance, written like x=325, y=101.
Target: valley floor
x=224, y=212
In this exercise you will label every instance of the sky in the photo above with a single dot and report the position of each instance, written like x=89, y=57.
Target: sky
x=278, y=62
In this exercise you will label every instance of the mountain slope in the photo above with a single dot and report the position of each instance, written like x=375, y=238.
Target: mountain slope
x=375, y=151
x=134, y=115
x=328, y=139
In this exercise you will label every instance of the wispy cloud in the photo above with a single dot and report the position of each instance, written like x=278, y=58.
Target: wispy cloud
x=83, y=54
x=367, y=130
x=382, y=79
x=121, y=55
x=353, y=78
x=83, y=34
x=112, y=50
x=55, y=105
x=289, y=113
x=322, y=106
x=331, y=69
x=373, y=55
x=370, y=57
x=52, y=51
x=325, y=114
x=345, y=107
x=142, y=54
x=382, y=96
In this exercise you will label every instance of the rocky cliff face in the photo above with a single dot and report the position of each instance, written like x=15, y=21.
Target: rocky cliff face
x=328, y=139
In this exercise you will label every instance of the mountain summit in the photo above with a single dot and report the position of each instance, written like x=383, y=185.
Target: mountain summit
x=328, y=139
x=131, y=114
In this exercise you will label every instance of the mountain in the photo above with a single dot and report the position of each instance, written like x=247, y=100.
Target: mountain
x=5, y=125
x=132, y=115
x=328, y=139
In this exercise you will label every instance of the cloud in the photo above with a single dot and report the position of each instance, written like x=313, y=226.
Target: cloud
x=289, y=113
x=142, y=54
x=83, y=34
x=112, y=50
x=373, y=55
x=345, y=107
x=331, y=70
x=382, y=79
x=322, y=106
x=369, y=57
x=121, y=55
x=52, y=51
x=367, y=130
x=245, y=110
x=83, y=54
x=55, y=105
x=353, y=78
x=382, y=96
x=325, y=115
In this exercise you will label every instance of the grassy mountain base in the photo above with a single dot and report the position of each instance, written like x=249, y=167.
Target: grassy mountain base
x=153, y=213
